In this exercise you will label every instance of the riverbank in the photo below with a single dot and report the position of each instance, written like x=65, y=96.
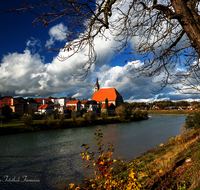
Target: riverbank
x=173, y=165
x=16, y=126
x=170, y=112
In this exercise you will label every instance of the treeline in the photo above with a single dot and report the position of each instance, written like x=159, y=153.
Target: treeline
x=160, y=104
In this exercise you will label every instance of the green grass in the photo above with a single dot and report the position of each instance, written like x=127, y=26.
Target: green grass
x=165, y=166
x=16, y=125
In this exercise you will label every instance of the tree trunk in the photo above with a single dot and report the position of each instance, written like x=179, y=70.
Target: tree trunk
x=187, y=20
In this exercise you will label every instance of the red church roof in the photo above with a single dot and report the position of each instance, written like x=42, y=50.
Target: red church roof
x=110, y=93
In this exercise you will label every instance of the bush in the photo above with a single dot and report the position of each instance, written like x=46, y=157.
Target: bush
x=6, y=111
x=144, y=114
x=90, y=116
x=74, y=115
x=128, y=112
x=26, y=120
x=79, y=120
x=15, y=116
x=120, y=111
x=62, y=118
x=137, y=114
x=49, y=121
x=104, y=115
x=3, y=118
x=56, y=114
x=193, y=121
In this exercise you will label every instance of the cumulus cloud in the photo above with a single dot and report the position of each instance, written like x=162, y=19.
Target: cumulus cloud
x=27, y=74
x=34, y=45
x=56, y=33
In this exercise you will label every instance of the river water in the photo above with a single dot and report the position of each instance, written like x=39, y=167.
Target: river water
x=50, y=159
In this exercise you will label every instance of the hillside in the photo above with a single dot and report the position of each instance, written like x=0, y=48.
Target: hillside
x=173, y=165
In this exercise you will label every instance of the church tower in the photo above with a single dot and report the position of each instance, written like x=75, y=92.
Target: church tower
x=96, y=86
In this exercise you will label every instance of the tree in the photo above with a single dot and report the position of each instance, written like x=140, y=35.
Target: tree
x=166, y=34
x=106, y=105
x=120, y=111
x=74, y=115
x=6, y=111
x=193, y=120
x=27, y=120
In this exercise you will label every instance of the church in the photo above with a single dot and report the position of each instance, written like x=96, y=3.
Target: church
x=111, y=94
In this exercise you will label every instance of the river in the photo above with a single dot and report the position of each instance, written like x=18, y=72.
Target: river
x=50, y=159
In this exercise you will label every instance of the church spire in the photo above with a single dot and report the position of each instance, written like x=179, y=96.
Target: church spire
x=96, y=86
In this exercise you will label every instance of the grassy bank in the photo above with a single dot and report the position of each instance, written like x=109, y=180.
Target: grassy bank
x=169, y=112
x=16, y=126
x=174, y=165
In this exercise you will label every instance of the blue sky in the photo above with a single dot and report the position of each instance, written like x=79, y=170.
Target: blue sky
x=27, y=69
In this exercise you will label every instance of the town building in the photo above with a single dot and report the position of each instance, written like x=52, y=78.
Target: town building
x=44, y=109
x=74, y=105
x=18, y=105
x=6, y=101
x=111, y=94
x=111, y=108
x=60, y=104
x=31, y=104
x=43, y=101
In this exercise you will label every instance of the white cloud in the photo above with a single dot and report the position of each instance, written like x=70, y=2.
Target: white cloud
x=33, y=42
x=57, y=33
x=34, y=45
x=27, y=74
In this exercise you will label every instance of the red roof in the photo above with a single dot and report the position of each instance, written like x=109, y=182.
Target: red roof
x=40, y=100
x=73, y=102
x=43, y=107
x=104, y=106
x=110, y=93
x=84, y=102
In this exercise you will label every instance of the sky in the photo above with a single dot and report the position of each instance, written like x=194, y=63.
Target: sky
x=27, y=69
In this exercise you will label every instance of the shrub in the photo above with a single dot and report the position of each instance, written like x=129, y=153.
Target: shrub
x=27, y=120
x=144, y=114
x=104, y=115
x=6, y=111
x=48, y=121
x=3, y=118
x=15, y=116
x=56, y=114
x=120, y=111
x=193, y=121
x=79, y=120
x=137, y=114
x=62, y=118
x=74, y=115
x=90, y=116
x=128, y=112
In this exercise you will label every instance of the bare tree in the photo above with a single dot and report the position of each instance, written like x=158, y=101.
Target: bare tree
x=166, y=32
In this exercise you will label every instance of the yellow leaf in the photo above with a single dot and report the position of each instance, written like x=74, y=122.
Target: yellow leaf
x=71, y=185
